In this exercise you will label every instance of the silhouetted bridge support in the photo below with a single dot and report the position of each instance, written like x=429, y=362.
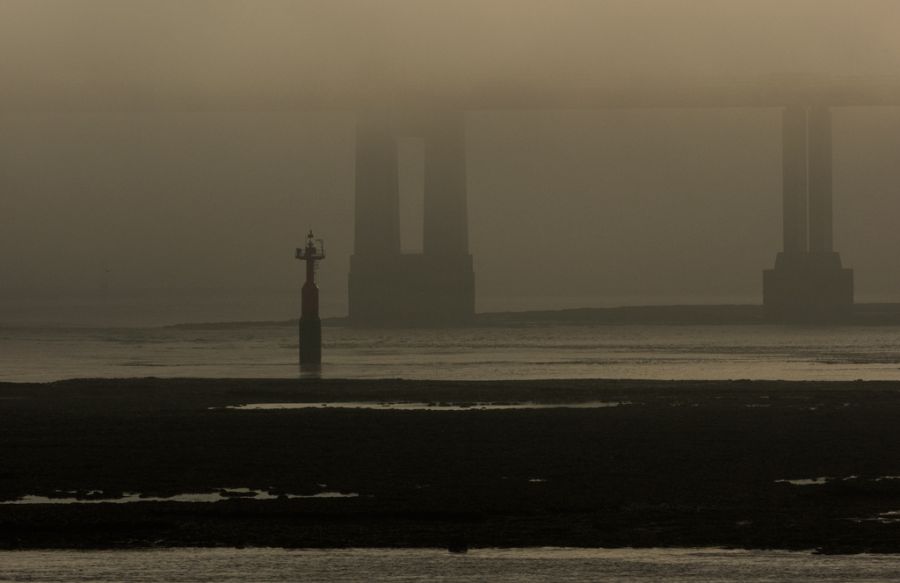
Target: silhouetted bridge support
x=436, y=287
x=808, y=282
x=391, y=288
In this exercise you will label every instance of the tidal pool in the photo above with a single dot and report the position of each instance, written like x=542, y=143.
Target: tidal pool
x=423, y=406
x=220, y=495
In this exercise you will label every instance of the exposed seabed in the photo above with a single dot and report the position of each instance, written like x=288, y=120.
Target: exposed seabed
x=787, y=465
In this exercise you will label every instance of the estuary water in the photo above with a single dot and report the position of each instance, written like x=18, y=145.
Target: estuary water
x=516, y=352
x=496, y=565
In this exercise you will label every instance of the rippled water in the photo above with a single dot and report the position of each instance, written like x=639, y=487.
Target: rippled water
x=495, y=565
x=651, y=352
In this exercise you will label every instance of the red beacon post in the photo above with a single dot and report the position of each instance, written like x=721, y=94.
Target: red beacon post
x=310, y=324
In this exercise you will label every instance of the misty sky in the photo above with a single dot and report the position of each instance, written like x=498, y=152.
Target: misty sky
x=112, y=175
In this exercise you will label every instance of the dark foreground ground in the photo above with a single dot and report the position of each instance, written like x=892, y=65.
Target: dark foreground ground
x=684, y=464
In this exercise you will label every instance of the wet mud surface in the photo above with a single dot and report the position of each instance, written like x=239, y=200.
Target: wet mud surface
x=743, y=464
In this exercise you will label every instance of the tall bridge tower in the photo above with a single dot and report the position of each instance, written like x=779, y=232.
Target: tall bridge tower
x=391, y=288
x=808, y=282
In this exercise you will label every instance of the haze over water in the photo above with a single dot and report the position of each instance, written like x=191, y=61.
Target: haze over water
x=151, y=148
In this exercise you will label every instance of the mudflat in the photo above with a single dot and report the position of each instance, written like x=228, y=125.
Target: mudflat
x=593, y=463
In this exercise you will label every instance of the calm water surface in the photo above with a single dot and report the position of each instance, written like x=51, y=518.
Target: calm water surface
x=479, y=565
x=649, y=352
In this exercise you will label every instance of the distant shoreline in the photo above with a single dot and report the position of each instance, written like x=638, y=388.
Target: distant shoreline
x=868, y=314
x=865, y=314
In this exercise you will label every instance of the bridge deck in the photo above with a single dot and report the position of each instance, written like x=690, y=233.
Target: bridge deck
x=619, y=95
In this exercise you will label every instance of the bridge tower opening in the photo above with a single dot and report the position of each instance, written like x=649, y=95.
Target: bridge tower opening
x=386, y=286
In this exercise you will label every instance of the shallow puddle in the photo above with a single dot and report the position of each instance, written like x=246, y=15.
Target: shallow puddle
x=890, y=517
x=94, y=497
x=821, y=480
x=422, y=406
x=807, y=481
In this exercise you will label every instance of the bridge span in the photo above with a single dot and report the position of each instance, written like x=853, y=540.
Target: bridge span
x=386, y=287
x=775, y=91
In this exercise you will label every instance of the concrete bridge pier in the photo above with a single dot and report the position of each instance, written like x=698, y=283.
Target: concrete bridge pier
x=390, y=288
x=376, y=247
x=808, y=283
x=447, y=276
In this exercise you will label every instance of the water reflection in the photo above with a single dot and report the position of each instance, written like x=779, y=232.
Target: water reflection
x=530, y=352
x=822, y=480
x=310, y=371
x=220, y=495
x=423, y=406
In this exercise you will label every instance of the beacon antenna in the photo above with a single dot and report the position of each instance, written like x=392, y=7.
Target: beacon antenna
x=310, y=324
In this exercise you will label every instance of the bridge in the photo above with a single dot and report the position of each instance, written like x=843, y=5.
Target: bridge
x=807, y=283
x=770, y=91
x=387, y=287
